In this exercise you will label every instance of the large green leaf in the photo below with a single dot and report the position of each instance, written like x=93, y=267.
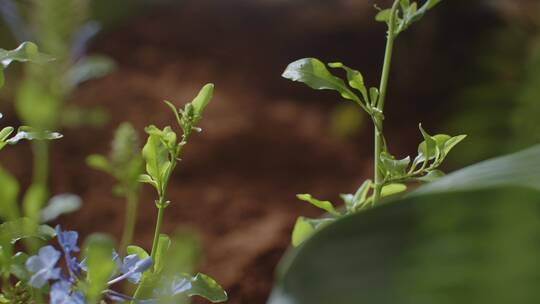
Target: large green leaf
x=314, y=73
x=469, y=237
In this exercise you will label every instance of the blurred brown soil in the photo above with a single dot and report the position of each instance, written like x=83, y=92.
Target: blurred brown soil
x=264, y=140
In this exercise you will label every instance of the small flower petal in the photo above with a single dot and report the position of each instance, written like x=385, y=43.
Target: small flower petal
x=43, y=266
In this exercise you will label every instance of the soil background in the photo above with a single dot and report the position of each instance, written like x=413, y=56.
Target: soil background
x=264, y=138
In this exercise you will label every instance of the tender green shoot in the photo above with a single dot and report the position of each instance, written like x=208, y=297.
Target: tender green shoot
x=391, y=174
x=161, y=153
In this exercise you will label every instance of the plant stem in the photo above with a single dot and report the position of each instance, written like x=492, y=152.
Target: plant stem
x=161, y=211
x=378, y=121
x=129, y=221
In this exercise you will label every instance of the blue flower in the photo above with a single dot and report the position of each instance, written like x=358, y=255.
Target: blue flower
x=43, y=266
x=67, y=239
x=61, y=293
x=131, y=268
x=135, y=267
x=68, y=243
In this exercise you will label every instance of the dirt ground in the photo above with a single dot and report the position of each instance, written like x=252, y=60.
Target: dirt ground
x=265, y=139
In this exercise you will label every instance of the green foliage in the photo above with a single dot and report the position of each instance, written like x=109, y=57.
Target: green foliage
x=163, y=147
x=446, y=242
x=161, y=153
x=390, y=173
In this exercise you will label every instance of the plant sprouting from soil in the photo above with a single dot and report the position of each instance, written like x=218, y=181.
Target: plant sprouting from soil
x=390, y=173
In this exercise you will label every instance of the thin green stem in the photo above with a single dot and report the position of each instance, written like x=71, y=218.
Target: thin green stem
x=130, y=220
x=161, y=211
x=378, y=121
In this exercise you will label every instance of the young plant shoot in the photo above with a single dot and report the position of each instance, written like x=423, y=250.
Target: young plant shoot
x=390, y=173
x=161, y=153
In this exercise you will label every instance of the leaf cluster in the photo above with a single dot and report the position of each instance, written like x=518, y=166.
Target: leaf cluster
x=164, y=147
x=406, y=13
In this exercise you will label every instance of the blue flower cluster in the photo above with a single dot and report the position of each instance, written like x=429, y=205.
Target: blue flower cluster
x=44, y=269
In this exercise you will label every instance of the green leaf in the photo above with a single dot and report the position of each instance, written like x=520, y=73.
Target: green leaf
x=5, y=133
x=427, y=149
x=145, y=178
x=301, y=231
x=26, y=51
x=9, y=210
x=139, y=251
x=354, y=77
x=384, y=15
x=98, y=249
x=305, y=227
x=374, y=96
x=98, y=162
x=453, y=234
x=175, y=112
x=518, y=169
x=59, y=205
x=355, y=202
x=325, y=205
x=203, y=98
x=392, y=167
x=392, y=189
x=206, y=287
x=156, y=155
x=452, y=142
x=29, y=133
x=405, y=4
x=314, y=73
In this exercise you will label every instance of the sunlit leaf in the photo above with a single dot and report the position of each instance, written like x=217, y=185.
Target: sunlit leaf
x=325, y=205
x=392, y=189
x=354, y=78
x=314, y=73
